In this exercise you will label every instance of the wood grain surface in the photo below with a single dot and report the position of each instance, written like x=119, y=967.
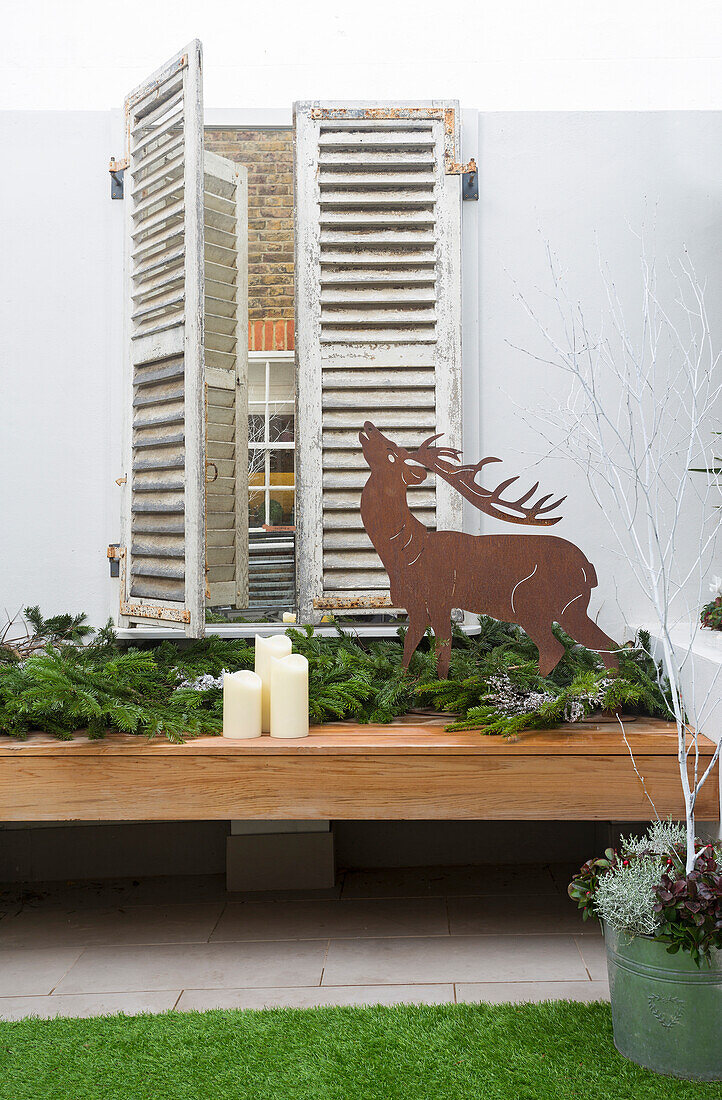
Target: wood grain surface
x=412, y=769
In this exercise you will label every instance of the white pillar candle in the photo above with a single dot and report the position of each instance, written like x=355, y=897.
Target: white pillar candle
x=241, y=704
x=266, y=649
x=289, y=696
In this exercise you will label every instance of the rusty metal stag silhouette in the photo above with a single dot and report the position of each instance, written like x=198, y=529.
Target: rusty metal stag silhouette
x=531, y=580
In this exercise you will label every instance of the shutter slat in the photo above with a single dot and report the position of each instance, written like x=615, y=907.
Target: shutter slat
x=219, y=273
x=147, y=199
x=381, y=158
x=171, y=279
x=400, y=218
x=170, y=239
x=359, y=259
x=375, y=184
x=377, y=316
x=373, y=296
x=157, y=90
x=158, y=265
x=146, y=224
x=172, y=94
x=349, y=336
x=156, y=159
x=157, y=128
x=169, y=172
x=350, y=399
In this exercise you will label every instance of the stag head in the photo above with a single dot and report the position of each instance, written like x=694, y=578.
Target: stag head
x=383, y=455
x=405, y=468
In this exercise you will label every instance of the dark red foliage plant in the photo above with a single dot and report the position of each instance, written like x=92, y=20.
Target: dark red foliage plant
x=691, y=907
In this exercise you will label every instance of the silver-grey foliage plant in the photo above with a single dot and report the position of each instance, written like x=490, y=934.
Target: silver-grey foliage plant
x=625, y=897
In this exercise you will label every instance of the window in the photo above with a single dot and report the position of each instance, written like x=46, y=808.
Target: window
x=271, y=441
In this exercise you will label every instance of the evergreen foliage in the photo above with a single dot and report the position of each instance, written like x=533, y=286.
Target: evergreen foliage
x=494, y=685
x=39, y=632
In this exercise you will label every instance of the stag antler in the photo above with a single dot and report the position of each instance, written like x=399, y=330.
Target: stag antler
x=444, y=461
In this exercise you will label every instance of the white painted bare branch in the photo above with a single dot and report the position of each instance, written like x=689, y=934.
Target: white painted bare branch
x=640, y=414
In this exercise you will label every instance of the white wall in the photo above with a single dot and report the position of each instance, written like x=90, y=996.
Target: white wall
x=515, y=55
x=59, y=362
x=587, y=183
x=564, y=176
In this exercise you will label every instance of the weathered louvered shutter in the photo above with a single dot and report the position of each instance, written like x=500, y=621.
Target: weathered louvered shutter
x=226, y=358
x=163, y=536
x=378, y=323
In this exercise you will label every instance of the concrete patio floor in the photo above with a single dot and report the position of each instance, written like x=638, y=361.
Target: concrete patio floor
x=421, y=934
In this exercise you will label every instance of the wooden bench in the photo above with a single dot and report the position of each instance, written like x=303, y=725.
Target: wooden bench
x=411, y=769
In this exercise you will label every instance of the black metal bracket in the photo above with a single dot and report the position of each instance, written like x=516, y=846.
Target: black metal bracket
x=117, y=173
x=114, y=559
x=116, y=184
x=470, y=185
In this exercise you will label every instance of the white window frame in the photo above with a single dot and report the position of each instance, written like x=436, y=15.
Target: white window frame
x=269, y=358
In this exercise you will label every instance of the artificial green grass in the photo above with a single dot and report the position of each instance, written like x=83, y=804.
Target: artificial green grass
x=552, y=1051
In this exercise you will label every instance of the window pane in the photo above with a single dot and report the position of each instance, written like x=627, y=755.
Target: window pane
x=257, y=465
x=256, y=380
x=271, y=422
x=256, y=509
x=282, y=381
x=256, y=428
x=281, y=506
x=280, y=428
x=280, y=424
x=282, y=463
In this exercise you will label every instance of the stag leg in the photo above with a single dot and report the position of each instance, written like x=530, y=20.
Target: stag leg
x=538, y=627
x=441, y=626
x=576, y=622
x=418, y=621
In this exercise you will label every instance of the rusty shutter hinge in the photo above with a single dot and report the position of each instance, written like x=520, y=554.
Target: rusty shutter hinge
x=469, y=177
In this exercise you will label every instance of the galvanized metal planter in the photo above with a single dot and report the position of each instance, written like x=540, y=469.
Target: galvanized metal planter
x=667, y=1013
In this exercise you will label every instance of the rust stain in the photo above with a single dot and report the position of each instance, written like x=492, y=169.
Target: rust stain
x=144, y=610
x=339, y=603
x=381, y=113
x=453, y=168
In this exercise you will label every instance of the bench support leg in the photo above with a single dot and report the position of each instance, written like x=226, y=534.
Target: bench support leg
x=280, y=855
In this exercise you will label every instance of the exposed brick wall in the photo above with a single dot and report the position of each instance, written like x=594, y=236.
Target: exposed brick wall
x=270, y=335
x=268, y=155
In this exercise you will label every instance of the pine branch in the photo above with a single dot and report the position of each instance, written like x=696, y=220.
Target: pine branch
x=494, y=684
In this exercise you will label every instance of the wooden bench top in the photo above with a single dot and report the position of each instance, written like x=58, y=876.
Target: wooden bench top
x=412, y=768
x=411, y=735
